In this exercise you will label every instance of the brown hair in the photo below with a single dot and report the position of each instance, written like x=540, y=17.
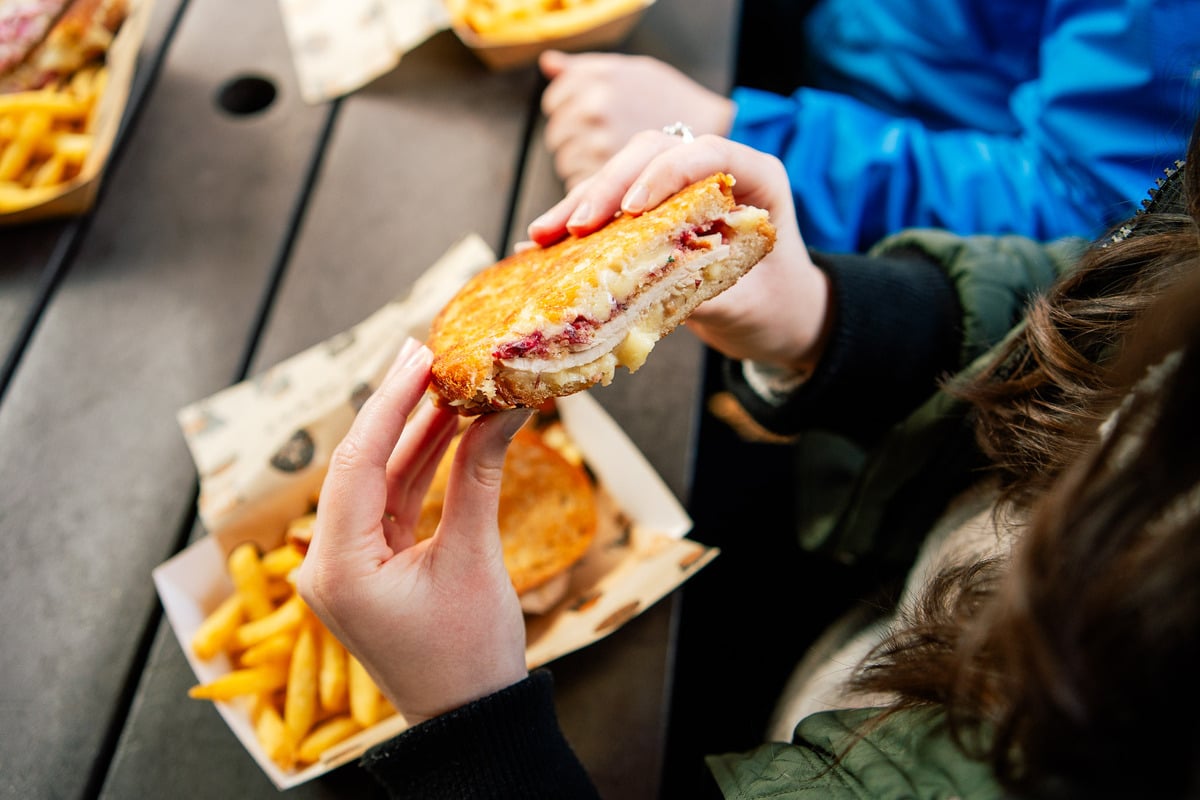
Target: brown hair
x=1088, y=654
x=1065, y=668
x=1036, y=406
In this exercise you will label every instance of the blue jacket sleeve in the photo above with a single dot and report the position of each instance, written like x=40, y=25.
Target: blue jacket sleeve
x=1107, y=104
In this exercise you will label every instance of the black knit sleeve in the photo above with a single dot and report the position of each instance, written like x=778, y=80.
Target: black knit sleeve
x=896, y=331
x=505, y=745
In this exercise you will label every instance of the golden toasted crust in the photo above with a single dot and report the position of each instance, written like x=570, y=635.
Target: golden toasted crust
x=529, y=303
x=547, y=510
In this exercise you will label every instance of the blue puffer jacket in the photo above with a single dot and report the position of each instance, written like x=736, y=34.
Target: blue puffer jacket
x=1044, y=119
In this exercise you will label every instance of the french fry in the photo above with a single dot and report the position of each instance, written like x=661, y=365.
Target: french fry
x=300, y=702
x=216, y=631
x=61, y=105
x=282, y=560
x=287, y=617
x=536, y=20
x=305, y=692
x=386, y=709
x=73, y=147
x=45, y=138
x=83, y=83
x=332, y=679
x=272, y=734
x=300, y=530
x=364, y=695
x=14, y=196
x=34, y=125
x=98, y=86
x=279, y=590
x=324, y=736
x=50, y=172
x=274, y=648
x=240, y=682
x=249, y=580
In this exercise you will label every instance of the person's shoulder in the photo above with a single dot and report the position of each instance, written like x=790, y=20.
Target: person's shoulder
x=856, y=753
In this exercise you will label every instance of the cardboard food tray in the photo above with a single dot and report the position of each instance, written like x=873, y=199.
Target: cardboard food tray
x=504, y=55
x=640, y=553
x=78, y=195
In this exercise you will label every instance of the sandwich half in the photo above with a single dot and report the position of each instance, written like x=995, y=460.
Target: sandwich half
x=547, y=516
x=551, y=322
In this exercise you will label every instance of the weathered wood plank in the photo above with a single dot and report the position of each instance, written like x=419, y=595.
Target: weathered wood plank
x=154, y=312
x=28, y=253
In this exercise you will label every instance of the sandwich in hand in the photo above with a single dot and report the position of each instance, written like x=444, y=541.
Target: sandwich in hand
x=547, y=517
x=550, y=322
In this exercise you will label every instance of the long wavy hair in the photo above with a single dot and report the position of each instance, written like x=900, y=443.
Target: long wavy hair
x=1065, y=665
x=1036, y=407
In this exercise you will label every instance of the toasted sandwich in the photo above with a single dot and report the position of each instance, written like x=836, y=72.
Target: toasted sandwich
x=547, y=515
x=550, y=322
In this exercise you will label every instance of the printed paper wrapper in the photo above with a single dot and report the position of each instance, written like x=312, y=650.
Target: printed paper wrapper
x=339, y=46
x=261, y=448
x=78, y=195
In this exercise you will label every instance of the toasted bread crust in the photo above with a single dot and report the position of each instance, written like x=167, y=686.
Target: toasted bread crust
x=579, y=283
x=547, y=514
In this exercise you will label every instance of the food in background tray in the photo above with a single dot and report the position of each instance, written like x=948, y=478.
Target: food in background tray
x=500, y=21
x=52, y=76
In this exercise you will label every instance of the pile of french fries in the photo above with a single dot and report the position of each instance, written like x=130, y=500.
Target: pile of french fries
x=535, y=20
x=45, y=137
x=304, y=692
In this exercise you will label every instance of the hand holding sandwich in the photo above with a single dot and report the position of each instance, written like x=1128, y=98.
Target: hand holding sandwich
x=778, y=313
x=436, y=623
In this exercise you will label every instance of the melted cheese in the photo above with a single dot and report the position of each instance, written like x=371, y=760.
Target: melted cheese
x=631, y=335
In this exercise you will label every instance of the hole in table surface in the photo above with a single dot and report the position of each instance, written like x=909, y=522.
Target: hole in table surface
x=246, y=94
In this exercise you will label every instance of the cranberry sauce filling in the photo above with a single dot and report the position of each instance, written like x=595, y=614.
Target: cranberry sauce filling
x=582, y=330
x=536, y=345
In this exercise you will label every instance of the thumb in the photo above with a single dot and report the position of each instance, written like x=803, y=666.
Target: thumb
x=473, y=491
x=552, y=62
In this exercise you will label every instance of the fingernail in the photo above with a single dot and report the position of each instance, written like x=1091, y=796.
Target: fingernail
x=635, y=199
x=420, y=355
x=402, y=357
x=513, y=421
x=581, y=216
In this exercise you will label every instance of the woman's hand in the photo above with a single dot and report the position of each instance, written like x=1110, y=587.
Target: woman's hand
x=596, y=102
x=436, y=623
x=776, y=314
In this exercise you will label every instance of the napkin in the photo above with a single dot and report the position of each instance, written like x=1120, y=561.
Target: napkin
x=260, y=446
x=340, y=45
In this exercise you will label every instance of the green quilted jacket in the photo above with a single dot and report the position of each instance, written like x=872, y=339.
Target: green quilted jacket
x=907, y=757
x=880, y=502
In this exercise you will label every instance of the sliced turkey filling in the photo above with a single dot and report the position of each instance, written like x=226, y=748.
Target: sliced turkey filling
x=671, y=270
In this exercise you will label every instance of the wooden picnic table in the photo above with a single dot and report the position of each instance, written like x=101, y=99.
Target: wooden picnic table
x=221, y=243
